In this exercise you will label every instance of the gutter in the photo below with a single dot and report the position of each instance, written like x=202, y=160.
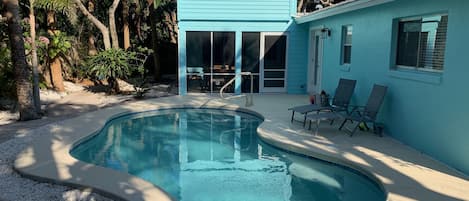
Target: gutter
x=343, y=7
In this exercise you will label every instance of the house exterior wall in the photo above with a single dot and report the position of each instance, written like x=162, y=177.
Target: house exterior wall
x=428, y=111
x=245, y=16
x=239, y=10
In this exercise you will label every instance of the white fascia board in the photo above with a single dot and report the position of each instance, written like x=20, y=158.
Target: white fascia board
x=344, y=7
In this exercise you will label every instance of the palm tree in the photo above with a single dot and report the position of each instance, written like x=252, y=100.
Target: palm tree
x=22, y=72
x=34, y=60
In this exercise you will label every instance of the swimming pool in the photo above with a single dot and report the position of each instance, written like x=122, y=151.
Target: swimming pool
x=207, y=154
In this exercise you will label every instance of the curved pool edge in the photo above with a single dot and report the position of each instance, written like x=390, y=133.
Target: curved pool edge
x=321, y=156
x=62, y=138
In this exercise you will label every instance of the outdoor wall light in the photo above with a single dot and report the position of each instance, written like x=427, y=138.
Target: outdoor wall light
x=326, y=32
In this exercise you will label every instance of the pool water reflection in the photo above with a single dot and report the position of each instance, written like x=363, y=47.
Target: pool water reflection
x=205, y=155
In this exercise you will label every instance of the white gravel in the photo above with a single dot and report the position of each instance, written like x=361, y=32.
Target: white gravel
x=14, y=187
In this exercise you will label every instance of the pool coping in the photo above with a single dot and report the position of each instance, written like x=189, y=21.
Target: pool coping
x=69, y=171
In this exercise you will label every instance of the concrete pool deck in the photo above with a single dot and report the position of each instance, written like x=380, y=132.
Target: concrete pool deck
x=405, y=173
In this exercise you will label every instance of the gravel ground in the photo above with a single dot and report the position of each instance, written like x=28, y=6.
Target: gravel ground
x=14, y=187
x=15, y=136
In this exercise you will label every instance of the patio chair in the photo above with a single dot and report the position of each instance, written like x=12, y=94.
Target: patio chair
x=340, y=102
x=360, y=114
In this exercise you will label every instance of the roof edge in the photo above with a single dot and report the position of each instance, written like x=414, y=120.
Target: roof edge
x=344, y=7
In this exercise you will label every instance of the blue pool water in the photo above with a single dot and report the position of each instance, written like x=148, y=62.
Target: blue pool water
x=215, y=155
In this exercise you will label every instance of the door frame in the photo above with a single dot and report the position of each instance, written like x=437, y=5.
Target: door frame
x=313, y=32
x=262, y=89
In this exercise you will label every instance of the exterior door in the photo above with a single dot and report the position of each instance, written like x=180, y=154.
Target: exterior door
x=273, y=62
x=315, y=61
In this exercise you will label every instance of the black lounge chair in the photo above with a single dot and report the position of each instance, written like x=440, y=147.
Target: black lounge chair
x=340, y=102
x=360, y=114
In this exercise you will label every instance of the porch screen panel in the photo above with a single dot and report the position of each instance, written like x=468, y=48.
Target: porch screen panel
x=198, y=49
x=275, y=52
x=275, y=49
x=223, y=52
x=250, y=60
x=198, y=54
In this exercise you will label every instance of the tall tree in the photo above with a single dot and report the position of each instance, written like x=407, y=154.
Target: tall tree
x=125, y=21
x=112, y=24
x=22, y=72
x=103, y=28
x=55, y=63
x=34, y=60
x=154, y=4
x=300, y=5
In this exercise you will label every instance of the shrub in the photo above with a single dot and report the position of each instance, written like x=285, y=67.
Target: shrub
x=112, y=64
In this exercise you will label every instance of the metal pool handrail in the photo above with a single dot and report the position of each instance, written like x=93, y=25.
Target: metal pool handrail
x=249, y=99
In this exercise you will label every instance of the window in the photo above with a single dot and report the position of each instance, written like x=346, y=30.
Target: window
x=210, y=60
x=421, y=43
x=346, y=44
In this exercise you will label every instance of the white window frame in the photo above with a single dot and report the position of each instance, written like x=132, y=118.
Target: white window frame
x=343, y=44
x=413, y=68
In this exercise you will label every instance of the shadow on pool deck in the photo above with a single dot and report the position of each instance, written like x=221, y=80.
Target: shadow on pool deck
x=405, y=173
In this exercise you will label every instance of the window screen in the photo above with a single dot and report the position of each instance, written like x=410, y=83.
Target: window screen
x=421, y=42
x=346, y=44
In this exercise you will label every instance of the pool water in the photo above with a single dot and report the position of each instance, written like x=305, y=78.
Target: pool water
x=215, y=155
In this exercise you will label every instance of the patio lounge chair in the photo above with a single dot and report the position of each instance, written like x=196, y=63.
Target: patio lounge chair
x=360, y=114
x=340, y=102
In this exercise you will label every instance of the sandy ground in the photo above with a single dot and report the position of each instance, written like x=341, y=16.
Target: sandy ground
x=14, y=136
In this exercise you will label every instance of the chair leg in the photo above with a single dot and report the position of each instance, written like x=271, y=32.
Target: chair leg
x=292, y=115
x=354, y=129
x=343, y=123
x=317, y=126
x=304, y=121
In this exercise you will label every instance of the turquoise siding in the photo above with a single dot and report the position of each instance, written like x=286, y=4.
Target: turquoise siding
x=427, y=111
x=236, y=10
x=245, y=16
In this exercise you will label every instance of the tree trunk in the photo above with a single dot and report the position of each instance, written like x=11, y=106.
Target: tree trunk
x=112, y=24
x=125, y=17
x=170, y=26
x=22, y=73
x=56, y=74
x=104, y=30
x=34, y=61
x=300, y=6
x=91, y=39
x=154, y=40
x=91, y=46
x=55, y=64
x=175, y=26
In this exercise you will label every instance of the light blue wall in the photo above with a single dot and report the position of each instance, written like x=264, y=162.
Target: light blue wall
x=236, y=10
x=427, y=111
x=245, y=16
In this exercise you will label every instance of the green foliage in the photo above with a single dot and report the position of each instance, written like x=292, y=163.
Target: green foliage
x=112, y=64
x=7, y=73
x=59, y=44
x=66, y=7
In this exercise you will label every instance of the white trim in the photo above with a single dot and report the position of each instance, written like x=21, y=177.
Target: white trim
x=311, y=52
x=419, y=17
x=346, y=6
x=262, y=89
x=211, y=62
x=418, y=69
